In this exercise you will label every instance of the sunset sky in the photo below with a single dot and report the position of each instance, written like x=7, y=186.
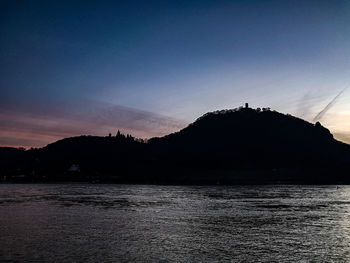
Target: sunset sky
x=151, y=67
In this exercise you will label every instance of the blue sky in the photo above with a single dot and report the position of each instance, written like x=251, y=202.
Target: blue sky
x=151, y=67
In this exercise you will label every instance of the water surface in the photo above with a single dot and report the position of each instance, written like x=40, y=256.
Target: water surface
x=142, y=223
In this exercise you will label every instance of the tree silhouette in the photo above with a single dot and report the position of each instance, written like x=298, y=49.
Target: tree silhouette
x=229, y=146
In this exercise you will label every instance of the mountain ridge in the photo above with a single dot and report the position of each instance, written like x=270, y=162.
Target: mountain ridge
x=269, y=146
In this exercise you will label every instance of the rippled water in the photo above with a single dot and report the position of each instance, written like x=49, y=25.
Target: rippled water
x=120, y=223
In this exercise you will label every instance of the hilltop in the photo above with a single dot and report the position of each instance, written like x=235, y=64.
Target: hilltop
x=241, y=145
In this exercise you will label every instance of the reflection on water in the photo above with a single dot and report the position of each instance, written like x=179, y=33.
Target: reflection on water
x=119, y=223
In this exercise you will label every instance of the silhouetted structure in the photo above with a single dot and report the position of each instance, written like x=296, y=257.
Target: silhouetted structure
x=233, y=146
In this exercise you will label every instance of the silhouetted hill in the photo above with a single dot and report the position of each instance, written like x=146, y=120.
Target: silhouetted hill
x=246, y=135
x=10, y=158
x=231, y=146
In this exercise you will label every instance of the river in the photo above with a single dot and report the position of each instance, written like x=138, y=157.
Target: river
x=149, y=223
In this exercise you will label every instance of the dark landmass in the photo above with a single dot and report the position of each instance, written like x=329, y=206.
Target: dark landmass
x=239, y=146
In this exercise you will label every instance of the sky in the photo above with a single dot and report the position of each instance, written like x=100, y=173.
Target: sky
x=150, y=68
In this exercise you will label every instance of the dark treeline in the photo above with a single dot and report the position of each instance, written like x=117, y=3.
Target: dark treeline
x=239, y=146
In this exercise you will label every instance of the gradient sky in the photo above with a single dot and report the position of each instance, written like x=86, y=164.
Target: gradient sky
x=151, y=67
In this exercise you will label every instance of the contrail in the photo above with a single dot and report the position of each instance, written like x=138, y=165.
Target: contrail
x=329, y=105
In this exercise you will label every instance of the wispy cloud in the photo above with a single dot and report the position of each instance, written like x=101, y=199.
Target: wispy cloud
x=40, y=125
x=304, y=106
